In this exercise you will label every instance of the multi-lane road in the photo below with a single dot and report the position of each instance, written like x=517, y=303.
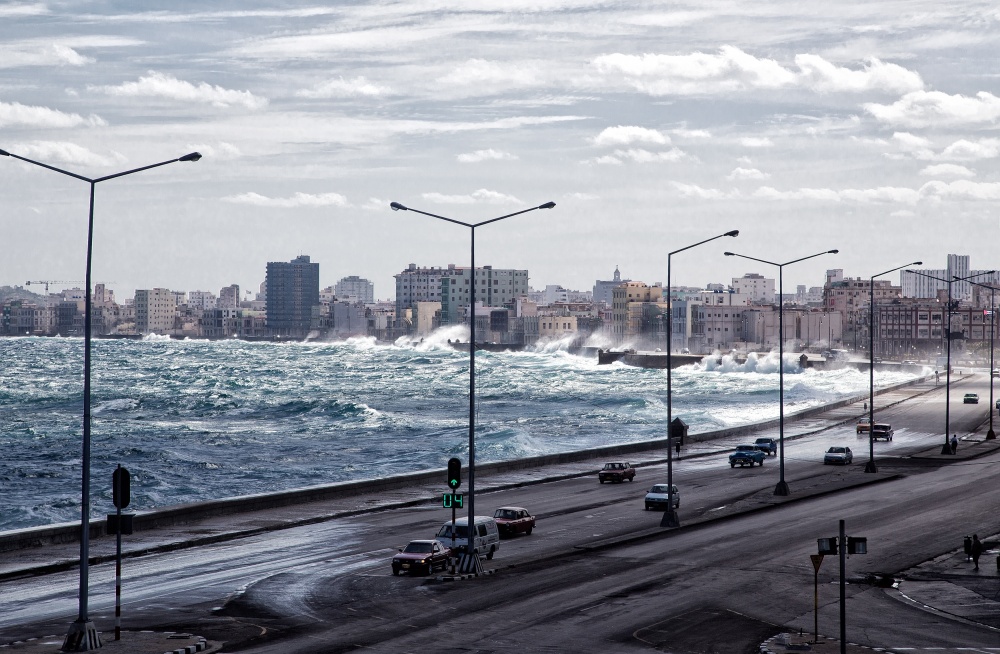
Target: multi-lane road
x=579, y=582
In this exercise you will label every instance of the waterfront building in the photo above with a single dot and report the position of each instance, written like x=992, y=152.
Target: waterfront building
x=229, y=297
x=637, y=313
x=154, y=311
x=603, y=289
x=850, y=297
x=759, y=288
x=355, y=289
x=418, y=285
x=201, y=300
x=495, y=287
x=292, y=292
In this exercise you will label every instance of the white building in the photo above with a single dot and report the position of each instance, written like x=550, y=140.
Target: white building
x=355, y=289
x=154, y=311
x=201, y=300
x=759, y=288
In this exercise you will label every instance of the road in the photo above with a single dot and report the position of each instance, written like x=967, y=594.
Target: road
x=714, y=586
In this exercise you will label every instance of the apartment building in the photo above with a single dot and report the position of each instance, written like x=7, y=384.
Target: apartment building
x=154, y=311
x=292, y=292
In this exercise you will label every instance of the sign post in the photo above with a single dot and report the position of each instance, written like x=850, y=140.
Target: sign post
x=120, y=493
x=454, y=481
x=817, y=561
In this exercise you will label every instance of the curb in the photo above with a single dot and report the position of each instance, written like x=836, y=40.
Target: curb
x=788, y=646
x=190, y=649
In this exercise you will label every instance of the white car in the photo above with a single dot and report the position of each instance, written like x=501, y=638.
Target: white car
x=841, y=455
x=657, y=497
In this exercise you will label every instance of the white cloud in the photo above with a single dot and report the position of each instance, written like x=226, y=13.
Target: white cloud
x=43, y=55
x=747, y=173
x=692, y=133
x=911, y=141
x=640, y=155
x=963, y=150
x=65, y=152
x=931, y=191
x=606, y=160
x=15, y=113
x=221, y=151
x=485, y=155
x=732, y=69
x=695, y=191
x=937, y=109
x=23, y=9
x=162, y=85
x=962, y=190
x=482, y=196
x=882, y=194
x=947, y=170
x=359, y=87
x=492, y=76
x=770, y=193
x=629, y=134
x=756, y=142
x=586, y=197
x=296, y=200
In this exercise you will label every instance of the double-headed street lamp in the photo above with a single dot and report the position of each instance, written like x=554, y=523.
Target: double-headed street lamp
x=782, y=487
x=670, y=518
x=946, y=448
x=395, y=206
x=83, y=634
x=991, y=435
x=870, y=466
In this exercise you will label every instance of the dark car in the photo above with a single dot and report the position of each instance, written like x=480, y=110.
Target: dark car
x=746, y=455
x=616, y=471
x=512, y=520
x=841, y=455
x=421, y=557
x=766, y=445
x=882, y=430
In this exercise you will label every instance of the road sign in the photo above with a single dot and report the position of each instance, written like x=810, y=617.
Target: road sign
x=449, y=500
x=817, y=560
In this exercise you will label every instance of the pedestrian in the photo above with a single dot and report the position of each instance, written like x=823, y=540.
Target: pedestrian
x=677, y=448
x=954, y=443
x=977, y=549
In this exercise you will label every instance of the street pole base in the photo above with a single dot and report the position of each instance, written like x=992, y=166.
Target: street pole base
x=469, y=563
x=991, y=435
x=946, y=449
x=870, y=466
x=782, y=489
x=82, y=637
x=670, y=519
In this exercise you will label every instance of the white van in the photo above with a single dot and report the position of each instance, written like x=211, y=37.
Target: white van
x=487, y=536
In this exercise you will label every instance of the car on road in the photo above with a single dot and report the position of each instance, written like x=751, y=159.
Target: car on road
x=882, y=430
x=421, y=557
x=485, y=536
x=766, y=445
x=657, y=498
x=513, y=520
x=746, y=455
x=970, y=398
x=838, y=454
x=863, y=424
x=616, y=471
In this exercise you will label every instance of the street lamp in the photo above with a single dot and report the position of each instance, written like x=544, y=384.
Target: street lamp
x=782, y=487
x=670, y=518
x=990, y=435
x=946, y=448
x=83, y=634
x=395, y=206
x=870, y=466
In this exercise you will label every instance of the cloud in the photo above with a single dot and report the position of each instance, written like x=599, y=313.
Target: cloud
x=769, y=193
x=162, y=85
x=732, y=69
x=695, y=191
x=937, y=109
x=359, y=87
x=963, y=150
x=65, y=152
x=586, y=197
x=15, y=113
x=962, y=190
x=45, y=55
x=747, y=173
x=491, y=76
x=221, y=151
x=756, y=142
x=32, y=9
x=296, y=200
x=629, y=134
x=931, y=191
x=947, y=170
x=692, y=133
x=482, y=196
x=639, y=155
x=485, y=155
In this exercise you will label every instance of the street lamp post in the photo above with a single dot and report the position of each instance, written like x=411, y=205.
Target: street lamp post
x=83, y=634
x=670, y=518
x=990, y=435
x=395, y=206
x=946, y=448
x=870, y=466
x=782, y=487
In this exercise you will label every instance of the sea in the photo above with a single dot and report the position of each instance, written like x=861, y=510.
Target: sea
x=195, y=420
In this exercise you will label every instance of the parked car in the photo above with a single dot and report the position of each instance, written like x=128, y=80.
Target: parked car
x=421, y=557
x=657, y=498
x=998, y=405
x=882, y=430
x=486, y=536
x=512, y=520
x=837, y=454
x=970, y=398
x=766, y=445
x=863, y=424
x=746, y=455
x=616, y=471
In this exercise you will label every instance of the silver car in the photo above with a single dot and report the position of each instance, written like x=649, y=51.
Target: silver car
x=656, y=498
x=837, y=454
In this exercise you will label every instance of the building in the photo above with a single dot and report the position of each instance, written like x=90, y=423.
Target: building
x=201, y=300
x=292, y=292
x=637, y=313
x=154, y=311
x=355, y=289
x=603, y=289
x=418, y=285
x=229, y=297
x=495, y=287
x=759, y=288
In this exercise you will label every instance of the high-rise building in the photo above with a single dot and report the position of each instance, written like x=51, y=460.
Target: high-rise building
x=355, y=289
x=154, y=310
x=292, y=292
x=229, y=297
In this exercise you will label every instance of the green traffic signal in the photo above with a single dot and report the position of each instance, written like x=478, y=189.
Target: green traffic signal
x=454, y=473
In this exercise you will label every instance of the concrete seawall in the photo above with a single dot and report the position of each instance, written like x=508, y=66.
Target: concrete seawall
x=187, y=513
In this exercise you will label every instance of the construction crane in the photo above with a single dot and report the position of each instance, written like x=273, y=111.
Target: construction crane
x=52, y=281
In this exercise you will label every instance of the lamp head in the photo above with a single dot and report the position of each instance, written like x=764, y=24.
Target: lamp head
x=395, y=206
x=917, y=263
x=4, y=153
x=735, y=232
x=832, y=251
x=729, y=254
x=194, y=156
x=547, y=205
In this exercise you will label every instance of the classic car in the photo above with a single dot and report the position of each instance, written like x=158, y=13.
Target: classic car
x=766, y=445
x=512, y=520
x=421, y=557
x=746, y=455
x=616, y=471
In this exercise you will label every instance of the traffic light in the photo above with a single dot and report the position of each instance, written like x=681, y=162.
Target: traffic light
x=857, y=545
x=454, y=473
x=121, y=492
x=827, y=545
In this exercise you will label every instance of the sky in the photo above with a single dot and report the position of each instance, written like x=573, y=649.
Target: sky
x=868, y=127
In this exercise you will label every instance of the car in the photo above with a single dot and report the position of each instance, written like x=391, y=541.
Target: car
x=882, y=430
x=838, y=454
x=421, y=557
x=863, y=424
x=616, y=471
x=746, y=455
x=766, y=445
x=998, y=405
x=657, y=497
x=485, y=536
x=970, y=398
x=513, y=520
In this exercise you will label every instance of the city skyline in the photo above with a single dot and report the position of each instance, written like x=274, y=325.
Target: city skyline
x=650, y=126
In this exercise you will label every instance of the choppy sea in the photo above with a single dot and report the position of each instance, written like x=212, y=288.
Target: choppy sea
x=195, y=420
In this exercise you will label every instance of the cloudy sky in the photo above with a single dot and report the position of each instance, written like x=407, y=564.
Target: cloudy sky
x=865, y=126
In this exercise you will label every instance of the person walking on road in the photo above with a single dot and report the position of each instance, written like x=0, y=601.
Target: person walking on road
x=954, y=443
x=677, y=447
x=977, y=550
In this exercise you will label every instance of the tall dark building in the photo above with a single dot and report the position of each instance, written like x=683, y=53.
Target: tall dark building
x=292, y=292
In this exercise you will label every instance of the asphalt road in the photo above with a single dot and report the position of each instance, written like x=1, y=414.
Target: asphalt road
x=720, y=585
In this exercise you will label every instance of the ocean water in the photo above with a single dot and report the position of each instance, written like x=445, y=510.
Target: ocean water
x=195, y=420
